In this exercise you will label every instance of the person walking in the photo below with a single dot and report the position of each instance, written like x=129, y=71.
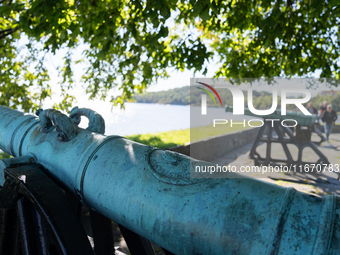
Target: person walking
x=328, y=117
x=323, y=107
x=312, y=109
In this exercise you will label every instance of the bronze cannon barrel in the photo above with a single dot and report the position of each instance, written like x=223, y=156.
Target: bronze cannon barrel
x=150, y=191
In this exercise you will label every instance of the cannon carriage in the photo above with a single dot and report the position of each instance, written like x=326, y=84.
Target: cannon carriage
x=291, y=129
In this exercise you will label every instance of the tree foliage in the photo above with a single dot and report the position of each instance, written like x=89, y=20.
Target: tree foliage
x=131, y=44
x=333, y=100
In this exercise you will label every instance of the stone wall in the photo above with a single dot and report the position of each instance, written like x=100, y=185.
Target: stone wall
x=214, y=147
x=217, y=146
x=336, y=129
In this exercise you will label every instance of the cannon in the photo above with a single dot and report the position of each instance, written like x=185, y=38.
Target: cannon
x=279, y=129
x=148, y=191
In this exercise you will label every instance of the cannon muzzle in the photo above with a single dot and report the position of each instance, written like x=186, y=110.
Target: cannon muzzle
x=150, y=191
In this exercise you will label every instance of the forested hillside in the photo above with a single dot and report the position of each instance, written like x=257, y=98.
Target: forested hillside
x=179, y=96
x=261, y=100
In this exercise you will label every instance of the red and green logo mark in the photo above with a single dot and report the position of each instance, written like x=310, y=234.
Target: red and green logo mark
x=209, y=93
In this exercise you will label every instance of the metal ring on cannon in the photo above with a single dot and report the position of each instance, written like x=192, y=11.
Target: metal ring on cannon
x=63, y=124
x=96, y=121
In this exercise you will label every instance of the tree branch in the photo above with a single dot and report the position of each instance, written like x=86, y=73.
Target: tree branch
x=7, y=32
x=290, y=3
x=10, y=2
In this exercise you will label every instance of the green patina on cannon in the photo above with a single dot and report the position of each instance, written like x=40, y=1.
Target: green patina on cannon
x=147, y=191
x=293, y=128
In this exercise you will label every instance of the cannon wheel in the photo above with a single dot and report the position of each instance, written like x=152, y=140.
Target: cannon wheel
x=35, y=217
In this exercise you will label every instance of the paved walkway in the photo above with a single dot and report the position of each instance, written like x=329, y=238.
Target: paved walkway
x=316, y=183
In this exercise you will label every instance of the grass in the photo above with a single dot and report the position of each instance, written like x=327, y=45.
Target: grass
x=4, y=155
x=182, y=137
x=200, y=133
x=163, y=139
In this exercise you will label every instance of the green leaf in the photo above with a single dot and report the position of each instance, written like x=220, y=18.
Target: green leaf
x=205, y=13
